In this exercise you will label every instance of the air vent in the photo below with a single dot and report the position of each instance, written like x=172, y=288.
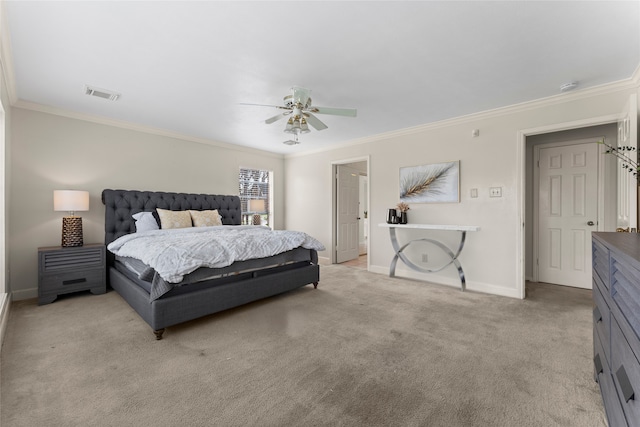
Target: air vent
x=101, y=93
x=568, y=86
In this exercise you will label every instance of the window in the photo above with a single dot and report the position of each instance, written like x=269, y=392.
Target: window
x=255, y=196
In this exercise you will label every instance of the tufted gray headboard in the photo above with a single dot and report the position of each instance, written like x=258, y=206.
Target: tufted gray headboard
x=121, y=204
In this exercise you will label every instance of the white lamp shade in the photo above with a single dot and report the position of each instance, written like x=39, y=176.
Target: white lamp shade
x=70, y=200
x=256, y=206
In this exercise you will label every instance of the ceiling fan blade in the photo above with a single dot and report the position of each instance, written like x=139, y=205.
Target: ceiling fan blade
x=277, y=117
x=315, y=122
x=348, y=112
x=265, y=105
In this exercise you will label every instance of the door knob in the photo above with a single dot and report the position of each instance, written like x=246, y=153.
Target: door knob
x=590, y=223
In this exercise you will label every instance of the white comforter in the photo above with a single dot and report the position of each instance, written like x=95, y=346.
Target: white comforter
x=174, y=253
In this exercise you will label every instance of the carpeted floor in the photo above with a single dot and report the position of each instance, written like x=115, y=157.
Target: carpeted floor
x=361, y=350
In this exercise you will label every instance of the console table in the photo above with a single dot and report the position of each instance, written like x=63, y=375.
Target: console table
x=453, y=255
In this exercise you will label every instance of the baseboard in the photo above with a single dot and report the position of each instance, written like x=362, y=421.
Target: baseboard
x=324, y=260
x=24, y=294
x=475, y=286
x=5, y=304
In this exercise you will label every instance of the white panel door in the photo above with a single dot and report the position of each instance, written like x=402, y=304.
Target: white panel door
x=627, y=183
x=567, y=213
x=348, y=201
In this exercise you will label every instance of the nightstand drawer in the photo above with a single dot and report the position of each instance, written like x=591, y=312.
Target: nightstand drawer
x=71, y=258
x=74, y=280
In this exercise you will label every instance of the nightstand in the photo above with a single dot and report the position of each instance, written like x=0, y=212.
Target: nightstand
x=72, y=269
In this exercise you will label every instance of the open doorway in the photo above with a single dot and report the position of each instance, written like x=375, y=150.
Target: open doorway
x=558, y=244
x=350, y=221
x=625, y=186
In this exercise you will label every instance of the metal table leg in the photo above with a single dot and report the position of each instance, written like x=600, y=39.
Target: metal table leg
x=454, y=256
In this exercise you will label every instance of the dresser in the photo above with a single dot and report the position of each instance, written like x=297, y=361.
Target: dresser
x=616, y=324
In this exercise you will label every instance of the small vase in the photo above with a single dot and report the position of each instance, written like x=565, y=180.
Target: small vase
x=391, y=217
x=403, y=217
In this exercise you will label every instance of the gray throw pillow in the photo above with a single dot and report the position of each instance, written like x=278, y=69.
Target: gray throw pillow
x=145, y=221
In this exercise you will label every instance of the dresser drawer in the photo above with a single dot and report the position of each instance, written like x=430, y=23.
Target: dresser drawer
x=600, y=261
x=615, y=415
x=625, y=297
x=601, y=322
x=625, y=370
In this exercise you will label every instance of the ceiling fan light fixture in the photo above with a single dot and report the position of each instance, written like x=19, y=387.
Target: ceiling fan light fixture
x=304, y=127
x=289, y=127
x=297, y=125
x=299, y=109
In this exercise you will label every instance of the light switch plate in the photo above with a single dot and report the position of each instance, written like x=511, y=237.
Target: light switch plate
x=474, y=193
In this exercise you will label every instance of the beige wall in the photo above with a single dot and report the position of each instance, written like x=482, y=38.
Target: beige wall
x=48, y=152
x=51, y=152
x=492, y=257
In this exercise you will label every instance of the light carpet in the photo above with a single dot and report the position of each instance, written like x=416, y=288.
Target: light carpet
x=361, y=350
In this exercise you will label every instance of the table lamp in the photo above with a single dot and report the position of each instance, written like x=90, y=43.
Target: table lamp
x=256, y=206
x=71, y=201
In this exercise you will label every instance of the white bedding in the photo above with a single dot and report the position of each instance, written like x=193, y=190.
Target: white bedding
x=174, y=253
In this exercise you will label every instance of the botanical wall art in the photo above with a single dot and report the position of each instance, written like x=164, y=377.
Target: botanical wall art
x=435, y=183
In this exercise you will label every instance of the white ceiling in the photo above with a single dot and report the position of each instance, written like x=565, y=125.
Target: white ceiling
x=186, y=66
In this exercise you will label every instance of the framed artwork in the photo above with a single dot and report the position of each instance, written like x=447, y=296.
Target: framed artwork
x=435, y=183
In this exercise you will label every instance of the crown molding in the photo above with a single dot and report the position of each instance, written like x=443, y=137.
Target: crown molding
x=32, y=106
x=623, y=85
x=635, y=77
x=631, y=83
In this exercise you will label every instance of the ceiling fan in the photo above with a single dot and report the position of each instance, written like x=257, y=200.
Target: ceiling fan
x=300, y=112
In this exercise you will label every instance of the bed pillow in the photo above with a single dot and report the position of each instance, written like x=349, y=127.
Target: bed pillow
x=205, y=218
x=145, y=221
x=174, y=219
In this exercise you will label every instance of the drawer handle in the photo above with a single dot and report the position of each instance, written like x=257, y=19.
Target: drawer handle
x=74, y=281
x=625, y=384
x=598, y=363
x=597, y=315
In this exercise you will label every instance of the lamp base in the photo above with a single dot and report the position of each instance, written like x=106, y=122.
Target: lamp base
x=257, y=220
x=71, y=231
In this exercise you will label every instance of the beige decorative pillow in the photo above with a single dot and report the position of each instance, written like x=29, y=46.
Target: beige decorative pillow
x=205, y=218
x=174, y=219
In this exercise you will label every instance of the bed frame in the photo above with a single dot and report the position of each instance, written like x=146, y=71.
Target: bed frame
x=218, y=294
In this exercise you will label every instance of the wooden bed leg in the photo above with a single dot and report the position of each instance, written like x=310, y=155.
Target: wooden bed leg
x=315, y=285
x=159, y=333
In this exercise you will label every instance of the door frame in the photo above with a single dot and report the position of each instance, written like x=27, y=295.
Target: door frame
x=521, y=174
x=536, y=190
x=334, y=204
x=348, y=244
x=5, y=297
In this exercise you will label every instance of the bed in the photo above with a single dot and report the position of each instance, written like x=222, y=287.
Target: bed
x=239, y=283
